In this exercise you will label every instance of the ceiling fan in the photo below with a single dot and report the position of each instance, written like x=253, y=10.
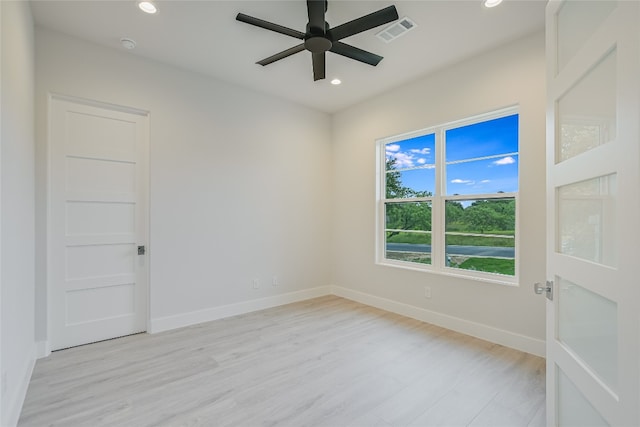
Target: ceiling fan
x=320, y=38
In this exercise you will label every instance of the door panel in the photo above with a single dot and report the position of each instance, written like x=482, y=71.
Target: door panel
x=98, y=217
x=102, y=137
x=576, y=22
x=573, y=408
x=100, y=302
x=100, y=176
x=593, y=158
x=586, y=220
x=587, y=111
x=588, y=327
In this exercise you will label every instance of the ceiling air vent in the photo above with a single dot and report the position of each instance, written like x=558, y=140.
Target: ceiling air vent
x=396, y=29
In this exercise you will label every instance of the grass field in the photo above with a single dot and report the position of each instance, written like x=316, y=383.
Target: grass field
x=421, y=258
x=481, y=241
x=489, y=265
x=413, y=238
x=425, y=239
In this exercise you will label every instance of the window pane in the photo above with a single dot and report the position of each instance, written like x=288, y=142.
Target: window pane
x=489, y=138
x=410, y=167
x=586, y=220
x=408, y=232
x=480, y=235
x=499, y=175
x=410, y=183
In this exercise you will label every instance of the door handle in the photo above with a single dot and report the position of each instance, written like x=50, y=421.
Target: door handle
x=141, y=250
x=547, y=288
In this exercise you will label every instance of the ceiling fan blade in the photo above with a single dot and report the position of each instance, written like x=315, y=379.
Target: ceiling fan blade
x=316, y=9
x=355, y=53
x=281, y=55
x=318, y=65
x=364, y=23
x=269, y=26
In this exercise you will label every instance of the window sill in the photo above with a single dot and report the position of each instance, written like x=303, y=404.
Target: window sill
x=495, y=279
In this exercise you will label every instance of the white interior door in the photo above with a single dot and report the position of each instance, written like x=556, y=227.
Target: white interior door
x=97, y=220
x=593, y=159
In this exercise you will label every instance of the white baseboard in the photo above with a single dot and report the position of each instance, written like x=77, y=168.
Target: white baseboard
x=192, y=318
x=43, y=349
x=478, y=330
x=488, y=333
x=17, y=400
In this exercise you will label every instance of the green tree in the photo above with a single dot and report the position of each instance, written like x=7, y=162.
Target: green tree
x=405, y=215
x=454, y=212
x=480, y=217
x=393, y=183
x=394, y=187
x=485, y=215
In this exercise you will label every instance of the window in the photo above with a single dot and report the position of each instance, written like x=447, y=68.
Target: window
x=448, y=197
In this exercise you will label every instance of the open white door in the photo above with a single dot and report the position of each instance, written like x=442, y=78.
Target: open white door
x=97, y=221
x=593, y=194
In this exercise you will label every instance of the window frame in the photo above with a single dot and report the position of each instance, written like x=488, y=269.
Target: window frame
x=438, y=201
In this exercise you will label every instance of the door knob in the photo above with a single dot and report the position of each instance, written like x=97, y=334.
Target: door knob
x=547, y=288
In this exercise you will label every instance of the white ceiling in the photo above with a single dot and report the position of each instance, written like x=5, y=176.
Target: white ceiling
x=203, y=36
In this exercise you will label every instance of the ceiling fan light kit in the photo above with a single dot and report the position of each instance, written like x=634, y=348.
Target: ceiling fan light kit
x=320, y=38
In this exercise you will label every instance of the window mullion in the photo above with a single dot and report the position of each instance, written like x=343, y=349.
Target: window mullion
x=437, y=224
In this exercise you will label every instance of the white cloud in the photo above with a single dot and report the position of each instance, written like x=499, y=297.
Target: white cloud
x=485, y=181
x=423, y=151
x=505, y=161
x=462, y=181
x=403, y=160
x=407, y=159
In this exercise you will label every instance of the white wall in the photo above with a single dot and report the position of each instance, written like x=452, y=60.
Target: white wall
x=17, y=201
x=513, y=74
x=239, y=181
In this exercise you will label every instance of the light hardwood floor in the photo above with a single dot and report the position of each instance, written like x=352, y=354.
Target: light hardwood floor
x=322, y=362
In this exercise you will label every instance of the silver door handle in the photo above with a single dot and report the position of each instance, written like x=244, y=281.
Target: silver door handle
x=547, y=288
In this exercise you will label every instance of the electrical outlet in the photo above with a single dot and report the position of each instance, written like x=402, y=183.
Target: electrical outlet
x=274, y=281
x=427, y=292
x=256, y=283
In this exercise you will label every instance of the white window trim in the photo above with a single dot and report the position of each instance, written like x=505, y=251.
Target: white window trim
x=438, y=264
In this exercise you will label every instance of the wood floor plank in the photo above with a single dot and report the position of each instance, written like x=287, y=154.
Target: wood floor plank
x=322, y=362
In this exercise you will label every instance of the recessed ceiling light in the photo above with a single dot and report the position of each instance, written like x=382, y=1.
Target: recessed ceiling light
x=147, y=6
x=492, y=3
x=336, y=82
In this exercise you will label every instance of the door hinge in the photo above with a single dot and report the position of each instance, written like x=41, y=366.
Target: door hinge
x=547, y=289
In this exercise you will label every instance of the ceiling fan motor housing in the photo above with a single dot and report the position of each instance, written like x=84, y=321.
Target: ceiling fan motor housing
x=317, y=40
x=317, y=44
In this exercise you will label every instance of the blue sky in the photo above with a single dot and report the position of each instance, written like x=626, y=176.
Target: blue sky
x=490, y=144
